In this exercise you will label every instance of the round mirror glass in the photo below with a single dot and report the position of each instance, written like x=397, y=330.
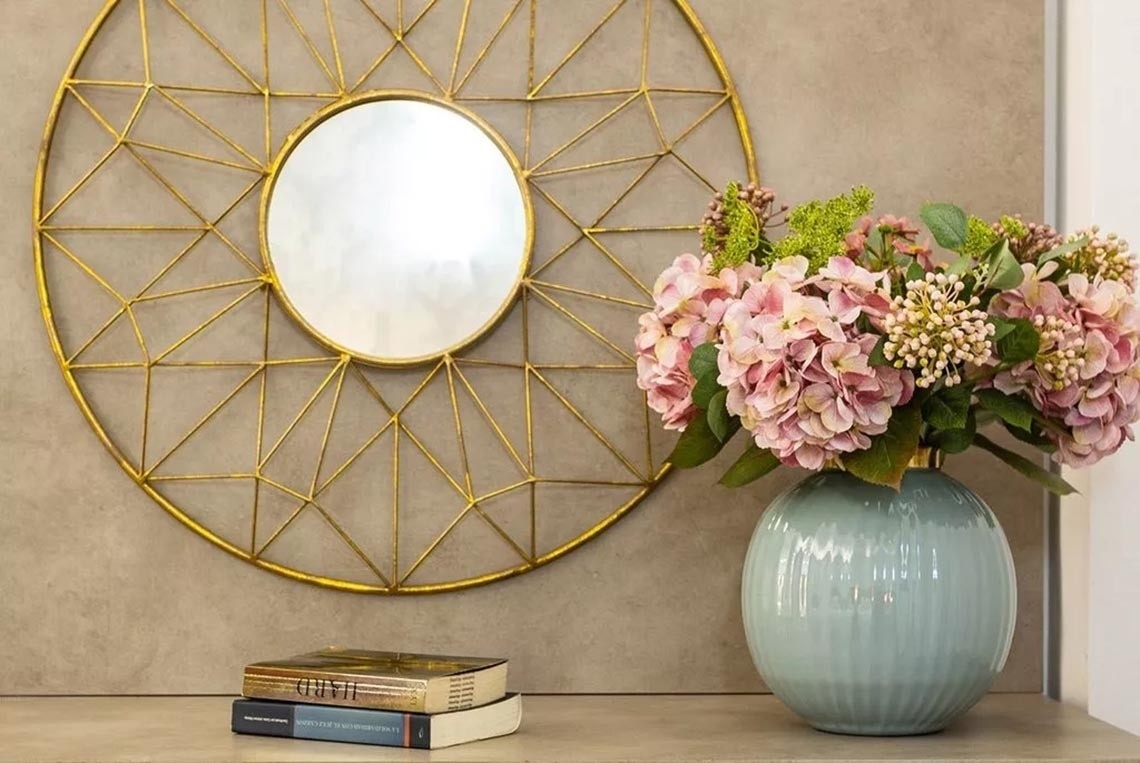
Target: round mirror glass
x=397, y=230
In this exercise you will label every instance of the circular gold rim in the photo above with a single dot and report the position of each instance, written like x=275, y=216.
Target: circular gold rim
x=189, y=522
x=328, y=112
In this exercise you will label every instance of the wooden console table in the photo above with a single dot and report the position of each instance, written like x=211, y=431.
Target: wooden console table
x=1010, y=727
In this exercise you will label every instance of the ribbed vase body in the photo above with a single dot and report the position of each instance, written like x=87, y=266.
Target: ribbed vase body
x=870, y=611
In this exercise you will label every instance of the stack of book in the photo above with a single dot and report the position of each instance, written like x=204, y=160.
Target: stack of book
x=385, y=698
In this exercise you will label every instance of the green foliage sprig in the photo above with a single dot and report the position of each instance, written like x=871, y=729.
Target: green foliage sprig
x=743, y=237
x=817, y=230
x=979, y=237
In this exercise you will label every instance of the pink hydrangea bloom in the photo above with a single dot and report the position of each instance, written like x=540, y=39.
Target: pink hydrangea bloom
x=689, y=303
x=851, y=288
x=796, y=365
x=1085, y=373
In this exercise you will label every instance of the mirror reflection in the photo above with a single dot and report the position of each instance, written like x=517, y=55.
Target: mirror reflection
x=397, y=230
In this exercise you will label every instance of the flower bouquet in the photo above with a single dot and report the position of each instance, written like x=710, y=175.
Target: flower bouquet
x=845, y=342
x=879, y=594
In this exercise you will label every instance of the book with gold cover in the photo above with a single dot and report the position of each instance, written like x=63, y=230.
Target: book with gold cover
x=412, y=683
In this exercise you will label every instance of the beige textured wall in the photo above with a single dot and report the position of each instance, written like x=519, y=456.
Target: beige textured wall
x=100, y=592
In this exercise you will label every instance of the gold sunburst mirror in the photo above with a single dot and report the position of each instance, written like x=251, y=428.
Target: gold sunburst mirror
x=347, y=286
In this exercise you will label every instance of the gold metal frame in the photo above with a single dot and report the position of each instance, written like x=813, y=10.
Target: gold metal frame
x=451, y=366
x=331, y=111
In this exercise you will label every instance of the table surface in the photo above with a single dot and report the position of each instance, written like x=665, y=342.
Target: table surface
x=1004, y=727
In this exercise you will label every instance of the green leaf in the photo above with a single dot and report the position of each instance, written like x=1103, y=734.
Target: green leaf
x=947, y=224
x=763, y=248
x=960, y=266
x=697, y=445
x=915, y=272
x=1005, y=270
x=1062, y=250
x=704, y=390
x=1020, y=343
x=1049, y=425
x=874, y=242
x=753, y=464
x=877, y=358
x=957, y=440
x=1001, y=326
x=949, y=407
x=719, y=421
x=1015, y=411
x=1052, y=482
x=1041, y=442
x=703, y=359
x=985, y=418
x=885, y=462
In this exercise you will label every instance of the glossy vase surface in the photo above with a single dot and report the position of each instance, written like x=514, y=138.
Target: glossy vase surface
x=870, y=611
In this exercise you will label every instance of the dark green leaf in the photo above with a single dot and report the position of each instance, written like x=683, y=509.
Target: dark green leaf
x=1021, y=342
x=1038, y=441
x=947, y=224
x=719, y=421
x=1052, y=482
x=704, y=390
x=885, y=462
x=1061, y=250
x=948, y=408
x=1048, y=424
x=702, y=360
x=696, y=445
x=957, y=440
x=876, y=358
x=753, y=464
x=1005, y=270
x=915, y=272
x=1015, y=411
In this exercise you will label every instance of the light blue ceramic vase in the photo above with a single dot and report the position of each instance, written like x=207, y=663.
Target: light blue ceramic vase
x=874, y=612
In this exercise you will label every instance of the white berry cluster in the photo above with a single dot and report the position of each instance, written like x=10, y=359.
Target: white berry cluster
x=1107, y=257
x=1062, y=350
x=934, y=333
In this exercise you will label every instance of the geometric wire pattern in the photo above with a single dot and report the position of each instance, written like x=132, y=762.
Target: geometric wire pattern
x=487, y=463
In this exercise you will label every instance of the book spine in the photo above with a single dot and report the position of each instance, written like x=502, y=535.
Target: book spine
x=331, y=724
x=408, y=697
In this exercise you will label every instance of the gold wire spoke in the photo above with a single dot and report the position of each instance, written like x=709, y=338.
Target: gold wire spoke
x=586, y=423
x=576, y=49
x=495, y=426
x=307, y=39
x=393, y=574
x=335, y=46
x=202, y=33
x=401, y=40
x=578, y=321
x=486, y=48
x=143, y=295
